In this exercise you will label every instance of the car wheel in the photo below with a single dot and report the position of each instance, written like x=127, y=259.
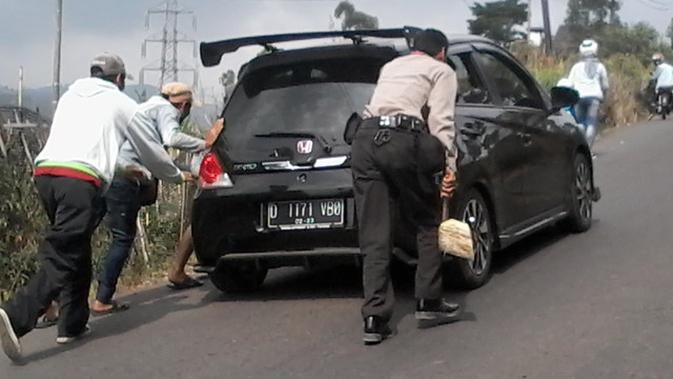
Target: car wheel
x=581, y=202
x=238, y=277
x=475, y=212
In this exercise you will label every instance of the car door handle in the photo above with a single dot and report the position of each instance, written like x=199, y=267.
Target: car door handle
x=476, y=129
x=527, y=138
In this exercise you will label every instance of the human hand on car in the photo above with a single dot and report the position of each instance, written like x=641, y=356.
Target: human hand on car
x=187, y=176
x=214, y=132
x=448, y=185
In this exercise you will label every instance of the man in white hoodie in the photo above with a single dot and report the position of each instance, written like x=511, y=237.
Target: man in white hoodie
x=72, y=171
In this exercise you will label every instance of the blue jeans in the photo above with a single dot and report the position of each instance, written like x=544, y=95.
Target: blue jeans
x=586, y=112
x=123, y=204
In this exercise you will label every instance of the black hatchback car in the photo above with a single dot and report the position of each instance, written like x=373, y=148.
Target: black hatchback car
x=276, y=189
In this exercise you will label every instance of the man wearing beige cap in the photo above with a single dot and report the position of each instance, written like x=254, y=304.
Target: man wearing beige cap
x=160, y=116
x=73, y=170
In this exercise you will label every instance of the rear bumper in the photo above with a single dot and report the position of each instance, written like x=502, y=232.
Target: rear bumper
x=318, y=252
x=228, y=223
x=304, y=258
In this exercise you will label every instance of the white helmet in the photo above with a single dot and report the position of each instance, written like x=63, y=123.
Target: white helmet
x=564, y=82
x=657, y=58
x=588, y=48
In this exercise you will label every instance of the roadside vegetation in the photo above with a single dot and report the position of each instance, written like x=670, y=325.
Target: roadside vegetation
x=23, y=221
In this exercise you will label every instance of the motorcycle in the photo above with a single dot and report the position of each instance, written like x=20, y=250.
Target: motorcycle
x=662, y=104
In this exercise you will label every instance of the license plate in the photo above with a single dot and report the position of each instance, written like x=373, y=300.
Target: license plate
x=305, y=214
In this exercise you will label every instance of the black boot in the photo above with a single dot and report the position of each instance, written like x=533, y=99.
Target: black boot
x=436, y=310
x=376, y=330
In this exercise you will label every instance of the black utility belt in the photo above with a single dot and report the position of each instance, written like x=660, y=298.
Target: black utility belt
x=398, y=121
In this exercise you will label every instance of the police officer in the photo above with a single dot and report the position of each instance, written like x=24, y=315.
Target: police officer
x=396, y=156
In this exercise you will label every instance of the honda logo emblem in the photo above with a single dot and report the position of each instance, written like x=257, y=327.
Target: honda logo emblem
x=305, y=146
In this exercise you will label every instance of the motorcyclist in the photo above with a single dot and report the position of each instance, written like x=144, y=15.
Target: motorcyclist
x=590, y=79
x=662, y=76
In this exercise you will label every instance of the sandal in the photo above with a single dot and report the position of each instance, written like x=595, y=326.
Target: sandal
x=116, y=308
x=45, y=322
x=188, y=283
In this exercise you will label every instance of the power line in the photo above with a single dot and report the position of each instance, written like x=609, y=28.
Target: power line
x=655, y=6
x=661, y=2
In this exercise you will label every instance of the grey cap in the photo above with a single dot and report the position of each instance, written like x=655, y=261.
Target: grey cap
x=110, y=64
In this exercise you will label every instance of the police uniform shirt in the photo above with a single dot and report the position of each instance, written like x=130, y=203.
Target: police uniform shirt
x=407, y=84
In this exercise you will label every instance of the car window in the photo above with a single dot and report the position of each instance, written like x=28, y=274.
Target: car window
x=514, y=88
x=316, y=97
x=471, y=90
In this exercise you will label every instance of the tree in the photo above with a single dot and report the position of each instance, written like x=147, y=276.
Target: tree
x=613, y=8
x=639, y=40
x=587, y=19
x=497, y=20
x=227, y=81
x=354, y=19
x=669, y=32
x=592, y=13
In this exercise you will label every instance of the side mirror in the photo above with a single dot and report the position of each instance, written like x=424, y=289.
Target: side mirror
x=562, y=97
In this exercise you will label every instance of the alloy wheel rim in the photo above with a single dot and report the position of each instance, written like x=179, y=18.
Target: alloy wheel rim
x=476, y=217
x=583, y=191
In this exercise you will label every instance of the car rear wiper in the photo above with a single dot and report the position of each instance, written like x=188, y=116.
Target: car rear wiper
x=323, y=141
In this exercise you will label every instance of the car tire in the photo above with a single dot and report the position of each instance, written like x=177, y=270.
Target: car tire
x=581, y=196
x=473, y=209
x=238, y=277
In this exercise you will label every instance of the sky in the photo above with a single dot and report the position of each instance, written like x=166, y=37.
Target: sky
x=27, y=29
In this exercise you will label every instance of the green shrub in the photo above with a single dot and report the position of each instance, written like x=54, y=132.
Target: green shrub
x=23, y=221
x=626, y=102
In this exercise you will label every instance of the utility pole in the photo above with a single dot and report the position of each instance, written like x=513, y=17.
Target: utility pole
x=19, y=100
x=169, y=38
x=57, y=53
x=547, y=26
x=530, y=17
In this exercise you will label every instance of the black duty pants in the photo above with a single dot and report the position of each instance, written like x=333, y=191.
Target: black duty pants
x=394, y=167
x=74, y=208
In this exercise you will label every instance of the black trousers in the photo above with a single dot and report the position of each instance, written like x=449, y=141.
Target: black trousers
x=122, y=201
x=74, y=208
x=395, y=169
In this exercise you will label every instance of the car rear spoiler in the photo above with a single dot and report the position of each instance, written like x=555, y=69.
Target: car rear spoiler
x=212, y=52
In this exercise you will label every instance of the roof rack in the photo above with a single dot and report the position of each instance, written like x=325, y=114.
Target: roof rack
x=212, y=52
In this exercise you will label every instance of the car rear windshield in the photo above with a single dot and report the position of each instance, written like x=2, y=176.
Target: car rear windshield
x=310, y=97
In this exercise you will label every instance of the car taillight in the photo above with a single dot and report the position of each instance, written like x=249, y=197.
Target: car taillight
x=210, y=169
x=211, y=173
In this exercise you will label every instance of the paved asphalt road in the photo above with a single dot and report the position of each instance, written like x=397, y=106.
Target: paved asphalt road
x=596, y=305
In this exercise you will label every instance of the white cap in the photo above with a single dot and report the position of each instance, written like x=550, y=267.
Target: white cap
x=588, y=47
